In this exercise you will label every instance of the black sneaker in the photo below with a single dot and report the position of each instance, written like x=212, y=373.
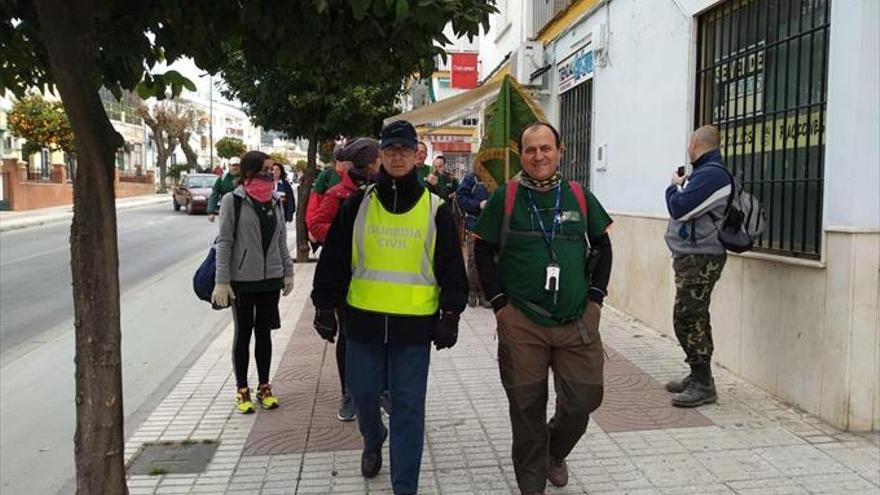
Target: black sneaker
x=346, y=410
x=371, y=462
x=696, y=394
x=385, y=402
x=678, y=386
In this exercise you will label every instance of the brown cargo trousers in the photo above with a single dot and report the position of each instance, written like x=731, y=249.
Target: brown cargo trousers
x=526, y=351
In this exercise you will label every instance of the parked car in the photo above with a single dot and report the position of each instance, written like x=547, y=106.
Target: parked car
x=192, y=192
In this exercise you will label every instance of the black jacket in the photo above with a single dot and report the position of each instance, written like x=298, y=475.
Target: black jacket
x=333, y=274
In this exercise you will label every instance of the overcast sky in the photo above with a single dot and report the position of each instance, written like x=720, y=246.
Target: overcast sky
x=188, y=69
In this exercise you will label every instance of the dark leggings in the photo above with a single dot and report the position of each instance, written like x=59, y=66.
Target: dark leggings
x=255, y=313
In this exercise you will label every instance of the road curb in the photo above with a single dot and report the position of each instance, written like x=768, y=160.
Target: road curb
x=37, y=222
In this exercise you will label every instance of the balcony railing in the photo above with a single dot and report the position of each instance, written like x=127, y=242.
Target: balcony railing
x=545, y=10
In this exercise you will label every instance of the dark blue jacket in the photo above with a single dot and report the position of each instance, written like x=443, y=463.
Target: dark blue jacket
x=290, y=200
x=470, y=193
x=696, y=207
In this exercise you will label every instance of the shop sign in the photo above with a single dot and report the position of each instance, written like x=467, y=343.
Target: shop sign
x=575, y=69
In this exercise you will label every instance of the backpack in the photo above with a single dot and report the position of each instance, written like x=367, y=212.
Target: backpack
x=203, y=278
x=743, y=221
x=576, y=189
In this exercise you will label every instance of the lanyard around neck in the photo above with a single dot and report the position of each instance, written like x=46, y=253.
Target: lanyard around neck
x=548, y=236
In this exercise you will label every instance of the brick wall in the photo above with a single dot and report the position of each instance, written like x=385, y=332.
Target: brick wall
x=25, y=195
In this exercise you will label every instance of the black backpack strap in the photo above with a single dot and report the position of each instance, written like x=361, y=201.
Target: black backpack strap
x=732, y=185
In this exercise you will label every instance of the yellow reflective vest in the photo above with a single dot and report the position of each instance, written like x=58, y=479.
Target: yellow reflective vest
x=392, y=258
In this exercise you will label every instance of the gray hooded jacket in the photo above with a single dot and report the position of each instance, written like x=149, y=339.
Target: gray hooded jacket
x=241, y=259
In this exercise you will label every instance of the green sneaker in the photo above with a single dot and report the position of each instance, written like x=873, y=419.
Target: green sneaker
x=243, y=401
x=264, y=395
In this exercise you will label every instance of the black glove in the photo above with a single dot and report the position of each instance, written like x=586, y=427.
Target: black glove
x=325, y=324
x=447, y=331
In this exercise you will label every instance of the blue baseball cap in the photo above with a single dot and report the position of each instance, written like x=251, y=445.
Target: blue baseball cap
x=399, y=132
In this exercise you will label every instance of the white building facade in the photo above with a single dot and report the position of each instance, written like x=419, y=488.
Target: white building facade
x=794, y=87
x=221, y=118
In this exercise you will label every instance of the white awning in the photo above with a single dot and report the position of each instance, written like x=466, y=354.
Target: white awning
x=445, y=112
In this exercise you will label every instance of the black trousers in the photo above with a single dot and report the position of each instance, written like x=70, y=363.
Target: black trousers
x=257, y=314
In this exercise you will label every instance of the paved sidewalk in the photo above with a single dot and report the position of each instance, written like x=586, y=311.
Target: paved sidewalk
x=14, y=220
x=748, y=443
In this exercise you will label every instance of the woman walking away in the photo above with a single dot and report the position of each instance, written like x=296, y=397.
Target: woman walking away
x=284, y=191
x=253, y=265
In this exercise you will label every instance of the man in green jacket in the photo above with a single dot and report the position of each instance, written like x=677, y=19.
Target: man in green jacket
x=223, y=185
x=546, y=284
x=422, y=167
x=441, y=182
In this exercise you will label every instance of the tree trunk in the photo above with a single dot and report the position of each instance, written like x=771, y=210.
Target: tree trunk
x=192, y=158
x=162, y=165
x=68, y=31
x=305, y=188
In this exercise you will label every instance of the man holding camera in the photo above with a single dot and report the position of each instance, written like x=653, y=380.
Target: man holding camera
x=696, y=204
x=547, y=288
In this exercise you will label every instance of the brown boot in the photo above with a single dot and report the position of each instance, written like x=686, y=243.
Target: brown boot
x=557, y=473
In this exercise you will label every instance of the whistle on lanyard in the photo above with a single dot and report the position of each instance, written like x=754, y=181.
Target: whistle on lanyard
x=551, y=281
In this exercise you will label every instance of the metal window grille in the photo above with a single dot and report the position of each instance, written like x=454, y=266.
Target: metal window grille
x=762, y=70
x=45, y=170
x=576, y=110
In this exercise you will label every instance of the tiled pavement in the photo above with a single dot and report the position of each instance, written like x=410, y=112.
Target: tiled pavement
x=748, y=443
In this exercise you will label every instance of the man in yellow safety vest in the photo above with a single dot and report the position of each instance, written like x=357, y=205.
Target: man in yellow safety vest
x=392, y=259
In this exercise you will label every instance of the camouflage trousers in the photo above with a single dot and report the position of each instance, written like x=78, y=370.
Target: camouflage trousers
x=695, y=277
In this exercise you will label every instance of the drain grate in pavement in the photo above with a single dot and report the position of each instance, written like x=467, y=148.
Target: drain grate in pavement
x=173, y=457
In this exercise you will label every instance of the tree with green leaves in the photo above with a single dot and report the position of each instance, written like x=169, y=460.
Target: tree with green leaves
x=41, y=123
x=79, y=46
x=229, y=147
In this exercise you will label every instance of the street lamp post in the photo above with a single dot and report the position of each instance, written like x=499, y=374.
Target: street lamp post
x=211, y=121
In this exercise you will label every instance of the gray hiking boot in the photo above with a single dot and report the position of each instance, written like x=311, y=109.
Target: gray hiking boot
x=678, y=386
x=696, y=394
x=346, y=410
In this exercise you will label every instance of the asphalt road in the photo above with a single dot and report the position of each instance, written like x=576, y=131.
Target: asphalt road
x=164, y=329
x=35, y=284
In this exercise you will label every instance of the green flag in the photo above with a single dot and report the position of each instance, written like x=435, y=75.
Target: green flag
x=498, y=159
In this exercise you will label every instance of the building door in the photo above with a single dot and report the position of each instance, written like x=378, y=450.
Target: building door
x=576, y=110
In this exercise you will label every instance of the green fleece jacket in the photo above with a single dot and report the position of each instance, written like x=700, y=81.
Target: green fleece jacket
x=222, y=185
